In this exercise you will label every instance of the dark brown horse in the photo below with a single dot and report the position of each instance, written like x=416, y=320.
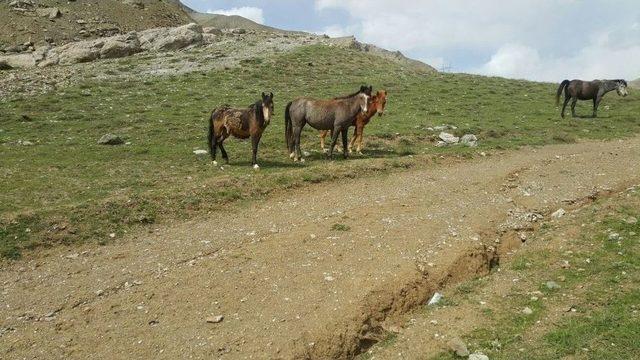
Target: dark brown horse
x=376, y=106
x=335, y=114
x=575, y=90
x=242, y=124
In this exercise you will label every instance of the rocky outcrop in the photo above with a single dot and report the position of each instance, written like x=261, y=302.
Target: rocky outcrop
x=120, y=46
x=167, y=39
x=160, y=39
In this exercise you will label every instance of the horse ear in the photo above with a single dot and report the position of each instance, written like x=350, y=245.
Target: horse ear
x=264, y=95
x=271, y=95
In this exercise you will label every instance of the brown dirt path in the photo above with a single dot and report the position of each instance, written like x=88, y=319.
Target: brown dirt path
x=287, y=284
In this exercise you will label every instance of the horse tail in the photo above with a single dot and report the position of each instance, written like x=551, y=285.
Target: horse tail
x=563, y=85
x=288, y=127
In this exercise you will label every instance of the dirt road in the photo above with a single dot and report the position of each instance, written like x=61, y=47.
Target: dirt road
x=317, y=273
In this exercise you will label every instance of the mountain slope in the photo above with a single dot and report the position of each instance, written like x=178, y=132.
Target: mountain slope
x=635, y=83
x=29, y=20
x=231, y=22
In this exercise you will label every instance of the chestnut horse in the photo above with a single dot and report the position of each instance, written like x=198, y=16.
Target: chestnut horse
x=334, y=114
x=376, y=106
x=241, y=123
x=575, y=90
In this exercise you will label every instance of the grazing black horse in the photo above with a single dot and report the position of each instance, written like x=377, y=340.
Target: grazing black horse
x=575, y=90
x=241, y=123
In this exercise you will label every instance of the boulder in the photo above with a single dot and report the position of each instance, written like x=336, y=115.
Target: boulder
x=120, y=46
x=79, y=52
x=18, y=61
x=110, y=139
x=213, y=31
x=4, y=65
x=164, y=39
x=469, y=140
x=51, y=13
x=448, y=138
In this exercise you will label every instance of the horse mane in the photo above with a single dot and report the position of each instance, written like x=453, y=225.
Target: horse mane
x=257, y=108
x=622, y=81
x=347, y=96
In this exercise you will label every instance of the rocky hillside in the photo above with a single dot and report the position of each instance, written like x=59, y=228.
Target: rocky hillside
x=231, y=22
x=61, y=21
x=635, y=83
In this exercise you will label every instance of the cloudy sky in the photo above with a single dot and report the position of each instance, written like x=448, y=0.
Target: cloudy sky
x=532, y=39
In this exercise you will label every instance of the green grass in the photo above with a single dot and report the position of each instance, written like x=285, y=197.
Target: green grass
x=68, y=189
x=603, y=285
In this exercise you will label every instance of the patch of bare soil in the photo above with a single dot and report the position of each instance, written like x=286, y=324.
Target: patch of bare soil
x=289, y=282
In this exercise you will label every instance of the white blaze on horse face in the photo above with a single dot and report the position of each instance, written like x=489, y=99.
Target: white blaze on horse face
x=267, y=114
x=622, y=90
x=364, y=107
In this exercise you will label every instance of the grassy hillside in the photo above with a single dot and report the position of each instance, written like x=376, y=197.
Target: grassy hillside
x=66, y=188
x=635, y=84
x=86, y=18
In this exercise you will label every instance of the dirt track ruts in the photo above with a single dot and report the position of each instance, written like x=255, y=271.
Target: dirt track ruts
x=287, y=284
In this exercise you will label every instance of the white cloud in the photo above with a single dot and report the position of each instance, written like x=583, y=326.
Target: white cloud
x=251, y=13
x=532, y=39
x=337, y=31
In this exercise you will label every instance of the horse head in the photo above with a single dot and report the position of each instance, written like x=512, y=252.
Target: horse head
x=267, y=107
x=366, y=90
x=622, y=88
x=363, y=102
x=380, y=101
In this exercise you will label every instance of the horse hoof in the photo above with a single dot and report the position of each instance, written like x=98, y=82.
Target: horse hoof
x=256, y=167
x=292, y=155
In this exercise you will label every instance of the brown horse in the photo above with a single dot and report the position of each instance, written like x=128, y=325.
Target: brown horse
x=575, y=90
x=333, y=114
x=376, y=106
x=242, y=124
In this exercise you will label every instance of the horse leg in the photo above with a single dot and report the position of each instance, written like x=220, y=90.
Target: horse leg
x=255, y=141
x=223, y=151
x=353, y=139
x=345, y=146
x=214, y=149
x=360, y=131
x=596, y=103
x=564, y=106
x=323, y=134
x=334, y=140
x=297, y=132
x=573, y=106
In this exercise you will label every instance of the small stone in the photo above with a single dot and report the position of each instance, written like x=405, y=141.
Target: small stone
x=110, y=139
x=435, y=299
x=558, y=214
x=458, y=347
x=200, y=152
x=478, y=356
x=448, y=138
x=215, y=319
x=527, y=311
x=632, y=220
x=614, y=236
x=552, y=285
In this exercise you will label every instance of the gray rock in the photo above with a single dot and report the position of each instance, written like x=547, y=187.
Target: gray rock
x=458, y=347
x=469, y=140
x=552, y=285
x=4, y=65
x=215, y=319
x=213, y=31
x=164, y=39
x=558, y=213
x=79, y=52
x=110, y=139
x=51, y=13
x=478, y=356
x=448, y=138
x=18, y=61
x=120, y=46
